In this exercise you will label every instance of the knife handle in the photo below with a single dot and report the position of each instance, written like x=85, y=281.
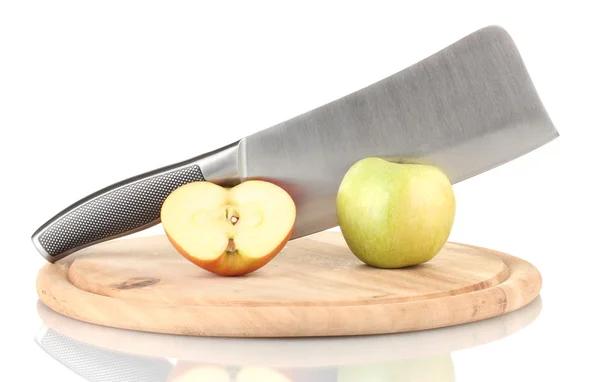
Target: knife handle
x=128, y=206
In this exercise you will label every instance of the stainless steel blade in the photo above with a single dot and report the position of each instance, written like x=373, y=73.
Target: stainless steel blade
x=466, y=109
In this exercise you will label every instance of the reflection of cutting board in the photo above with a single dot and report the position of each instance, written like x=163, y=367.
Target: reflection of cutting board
x=314, y=287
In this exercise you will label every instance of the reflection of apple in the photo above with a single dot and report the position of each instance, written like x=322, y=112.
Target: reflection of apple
x=191, y=372
x=430, y=369
x=229, y=231
x=394, y=215
x=196, y=373
x=260, y=374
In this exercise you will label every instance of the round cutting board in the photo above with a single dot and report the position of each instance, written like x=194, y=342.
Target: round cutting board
x=314, y=287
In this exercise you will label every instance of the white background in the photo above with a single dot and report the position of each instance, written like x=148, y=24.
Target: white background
x=94, y=92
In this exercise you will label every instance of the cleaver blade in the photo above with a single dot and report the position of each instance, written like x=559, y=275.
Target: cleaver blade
x=466, y=109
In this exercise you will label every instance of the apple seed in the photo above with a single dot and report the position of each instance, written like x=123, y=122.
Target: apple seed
x=232, y=215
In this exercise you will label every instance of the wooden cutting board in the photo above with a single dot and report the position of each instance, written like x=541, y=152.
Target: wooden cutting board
x=314, y=287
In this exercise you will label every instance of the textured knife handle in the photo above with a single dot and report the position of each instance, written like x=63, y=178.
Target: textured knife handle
x=117, y=210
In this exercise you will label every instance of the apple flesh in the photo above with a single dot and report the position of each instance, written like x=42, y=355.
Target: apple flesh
x=229, y=231
x=394, y=215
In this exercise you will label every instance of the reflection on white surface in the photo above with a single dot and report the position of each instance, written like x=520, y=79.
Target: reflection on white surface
x=102, y=354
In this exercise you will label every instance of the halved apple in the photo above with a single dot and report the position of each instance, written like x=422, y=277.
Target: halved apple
x=229, y=231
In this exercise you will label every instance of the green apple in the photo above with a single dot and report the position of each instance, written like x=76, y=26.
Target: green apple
x=394, y=215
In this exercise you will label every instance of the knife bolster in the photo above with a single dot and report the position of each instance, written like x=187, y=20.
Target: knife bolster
x=221, y=166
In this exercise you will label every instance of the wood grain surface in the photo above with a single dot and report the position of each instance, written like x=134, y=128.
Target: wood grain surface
x=314, y=287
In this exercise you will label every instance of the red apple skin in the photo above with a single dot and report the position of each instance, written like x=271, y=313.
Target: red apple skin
x=232, y=264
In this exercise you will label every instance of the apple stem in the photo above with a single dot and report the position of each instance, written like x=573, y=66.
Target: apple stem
x=231, y=247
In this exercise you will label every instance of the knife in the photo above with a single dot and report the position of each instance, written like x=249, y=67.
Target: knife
x=466, y=109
